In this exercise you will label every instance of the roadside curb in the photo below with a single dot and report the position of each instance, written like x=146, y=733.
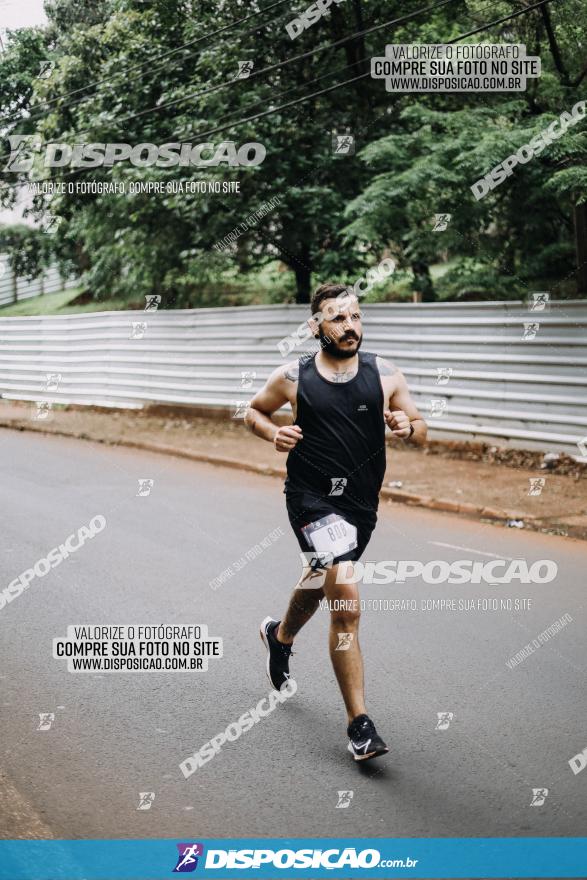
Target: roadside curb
x=492, y=515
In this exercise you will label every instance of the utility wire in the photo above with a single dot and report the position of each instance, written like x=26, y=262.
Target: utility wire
x=140, y=64
x=237, y=123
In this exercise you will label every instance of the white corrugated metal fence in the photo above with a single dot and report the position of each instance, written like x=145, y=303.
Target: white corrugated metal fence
x=479, y=370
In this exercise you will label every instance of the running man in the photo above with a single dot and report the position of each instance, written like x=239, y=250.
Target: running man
x=341, y=401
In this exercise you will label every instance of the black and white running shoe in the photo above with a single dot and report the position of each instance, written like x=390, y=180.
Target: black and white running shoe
x=278, y=654
x=365, y=742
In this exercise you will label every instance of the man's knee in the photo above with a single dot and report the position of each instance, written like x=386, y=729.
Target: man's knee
x=345, y=607
x=345, y=613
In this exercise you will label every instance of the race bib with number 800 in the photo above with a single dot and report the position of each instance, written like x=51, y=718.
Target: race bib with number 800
x=332, y=534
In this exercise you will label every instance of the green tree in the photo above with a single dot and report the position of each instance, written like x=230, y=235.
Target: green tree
x=521, y=230
x=29, y=251
x=332, y=214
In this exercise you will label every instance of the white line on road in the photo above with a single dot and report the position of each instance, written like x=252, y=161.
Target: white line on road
x=471, y=550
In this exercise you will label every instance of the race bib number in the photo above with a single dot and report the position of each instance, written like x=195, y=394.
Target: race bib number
x=332, y=535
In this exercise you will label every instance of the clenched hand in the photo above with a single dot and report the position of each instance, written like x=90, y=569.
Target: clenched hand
x=287, y=437
x=398, y=423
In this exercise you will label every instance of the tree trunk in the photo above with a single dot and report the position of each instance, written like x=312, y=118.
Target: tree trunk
x=303, y=280
x=580, y=218
x=242, y=255
x=303, y=271
x=507, y=257
x=423, y=281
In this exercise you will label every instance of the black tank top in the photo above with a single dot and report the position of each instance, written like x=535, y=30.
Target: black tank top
x=344, y=437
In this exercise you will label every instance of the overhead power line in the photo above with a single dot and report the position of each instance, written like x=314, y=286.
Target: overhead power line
x=361, y=76
x=156, y=108
x=244, y=120
x=164, y=55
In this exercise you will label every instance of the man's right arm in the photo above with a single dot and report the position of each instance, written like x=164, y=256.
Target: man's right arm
x=261, y=408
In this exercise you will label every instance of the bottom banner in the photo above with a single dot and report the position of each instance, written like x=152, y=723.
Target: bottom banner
x=300, y=857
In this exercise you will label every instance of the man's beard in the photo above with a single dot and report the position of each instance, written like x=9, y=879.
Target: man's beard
x=331, y=347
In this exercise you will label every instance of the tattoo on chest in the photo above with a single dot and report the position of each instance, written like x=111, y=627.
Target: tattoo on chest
x=343, y=375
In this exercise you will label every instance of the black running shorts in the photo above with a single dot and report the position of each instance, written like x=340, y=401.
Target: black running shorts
x=304, y=508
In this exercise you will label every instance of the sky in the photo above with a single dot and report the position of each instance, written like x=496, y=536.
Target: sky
x=21, y=13
x=15, y=14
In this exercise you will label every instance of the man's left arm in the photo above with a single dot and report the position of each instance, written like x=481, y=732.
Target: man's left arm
x=402, y=417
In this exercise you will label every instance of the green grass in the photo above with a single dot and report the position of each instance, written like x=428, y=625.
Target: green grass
x=58, y=304
x=39, y=305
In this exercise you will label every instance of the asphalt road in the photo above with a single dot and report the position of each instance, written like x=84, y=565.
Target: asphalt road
x=115, y=735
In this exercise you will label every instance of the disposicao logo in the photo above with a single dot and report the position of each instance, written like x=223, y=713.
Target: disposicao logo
x=187, y=860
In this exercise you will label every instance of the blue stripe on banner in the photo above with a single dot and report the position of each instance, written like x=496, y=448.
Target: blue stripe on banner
x=380, y=858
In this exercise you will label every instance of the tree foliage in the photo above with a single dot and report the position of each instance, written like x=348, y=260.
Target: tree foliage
x=160, y=71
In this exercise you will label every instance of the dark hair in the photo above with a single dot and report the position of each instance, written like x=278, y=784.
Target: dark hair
x=326, y=291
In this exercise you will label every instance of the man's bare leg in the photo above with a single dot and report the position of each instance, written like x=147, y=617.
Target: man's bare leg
x=344, y=626
x=302, y=606
x=278, y=637
x=344, y=629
